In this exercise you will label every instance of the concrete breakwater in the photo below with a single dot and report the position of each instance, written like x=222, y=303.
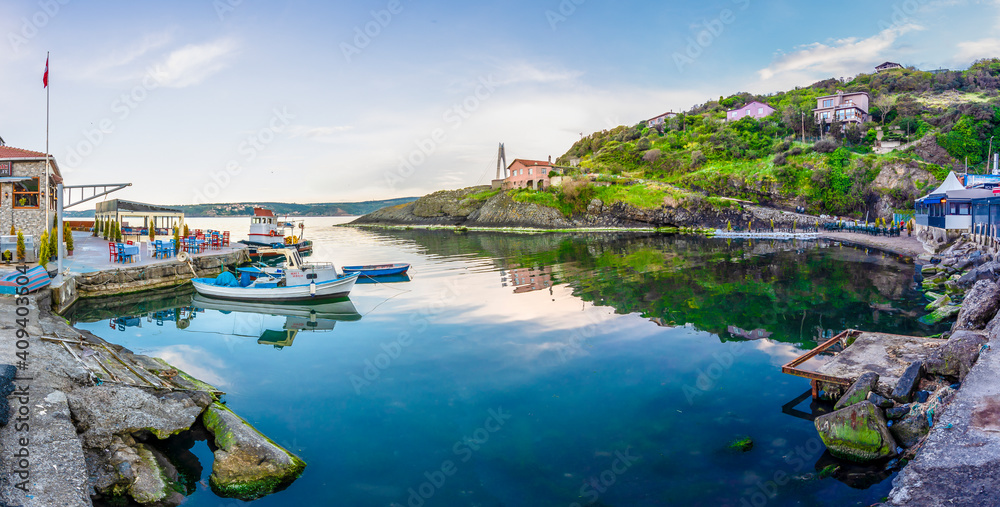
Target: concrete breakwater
x=89, y=419
x=129, y=279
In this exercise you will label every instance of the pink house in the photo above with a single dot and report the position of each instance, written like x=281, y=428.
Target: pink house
x=524, y=173
x=754, y=109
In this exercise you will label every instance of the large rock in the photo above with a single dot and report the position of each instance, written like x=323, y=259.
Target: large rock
x=155, y=479
x=858, y=391
x=247, y=464
x=956, y=357
x=938, y=302
x=939, y=315
x=909, y=430
x=856, y=433
x=907, y=383
x=101, y=412
x=979, y=306
x=988, y=271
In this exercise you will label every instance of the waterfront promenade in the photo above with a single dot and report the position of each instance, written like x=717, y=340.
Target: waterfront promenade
x=90, y=254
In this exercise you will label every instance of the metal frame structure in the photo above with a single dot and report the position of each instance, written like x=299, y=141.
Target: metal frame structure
x=64, y=198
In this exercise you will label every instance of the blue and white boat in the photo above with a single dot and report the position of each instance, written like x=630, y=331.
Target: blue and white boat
x=398, y=268
x=293, y=280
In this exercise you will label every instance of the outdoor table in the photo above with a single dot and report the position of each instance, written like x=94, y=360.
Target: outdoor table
x=127, y=250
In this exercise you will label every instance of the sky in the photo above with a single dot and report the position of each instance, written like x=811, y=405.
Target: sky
x=298, y=101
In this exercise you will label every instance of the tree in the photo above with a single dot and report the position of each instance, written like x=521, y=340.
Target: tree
x=54, y=241
x=118, y=232
x=97, y=226
x=43, y=250
x=884, y=103
x=68, y=236
x=152, y=233
x=20, y=246
x=177, y=240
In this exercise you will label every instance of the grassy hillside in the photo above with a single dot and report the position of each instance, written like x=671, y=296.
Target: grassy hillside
x=947, y=118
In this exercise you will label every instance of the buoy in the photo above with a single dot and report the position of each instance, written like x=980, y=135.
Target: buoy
x=312, y=288
x=183, y=256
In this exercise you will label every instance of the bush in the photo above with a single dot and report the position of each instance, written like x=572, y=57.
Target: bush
x=697, y=159
x=177, y=240
x=43, y=250
x=577, y=194
x=68, y=236
x=780, y=159
x=54, y=241
x=652, y=155
x=794, y=151
x=20, y=246
x=826, y=145
x=782, y=146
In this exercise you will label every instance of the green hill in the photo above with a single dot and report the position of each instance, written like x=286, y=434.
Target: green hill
x=945, y=118
x=280, y=208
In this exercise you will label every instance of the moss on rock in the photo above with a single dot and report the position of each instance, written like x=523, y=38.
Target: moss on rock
x=248, y=465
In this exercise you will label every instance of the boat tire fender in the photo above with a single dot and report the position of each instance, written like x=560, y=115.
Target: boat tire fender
x=183, y=256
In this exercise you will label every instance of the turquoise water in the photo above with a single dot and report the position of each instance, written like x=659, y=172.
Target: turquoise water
x=538, y=369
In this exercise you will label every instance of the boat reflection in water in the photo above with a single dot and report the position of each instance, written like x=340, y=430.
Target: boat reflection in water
x=298, y=317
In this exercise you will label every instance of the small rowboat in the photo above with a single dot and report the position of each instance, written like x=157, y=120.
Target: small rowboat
x=378, y=269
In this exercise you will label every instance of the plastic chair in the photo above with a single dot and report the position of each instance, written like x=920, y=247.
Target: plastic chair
x=112, y=252
x=225, y=238
x=150, y=249
x=216, y=242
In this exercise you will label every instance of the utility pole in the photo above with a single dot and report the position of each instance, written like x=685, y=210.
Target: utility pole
x=989, y=153
x=803, y=128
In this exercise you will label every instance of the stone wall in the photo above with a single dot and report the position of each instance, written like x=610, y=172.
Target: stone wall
x=30, y=221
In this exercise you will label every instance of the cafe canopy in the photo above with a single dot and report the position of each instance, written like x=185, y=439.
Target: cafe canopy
x=139, y=215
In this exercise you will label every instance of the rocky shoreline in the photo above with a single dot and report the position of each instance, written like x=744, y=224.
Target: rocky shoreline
x=459, y=208
x=93, y=421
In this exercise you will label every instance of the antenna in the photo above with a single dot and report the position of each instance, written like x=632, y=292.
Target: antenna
x=501, y=163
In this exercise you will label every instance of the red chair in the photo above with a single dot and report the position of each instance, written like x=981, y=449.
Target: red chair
x=130, y=242
x=216, y=242
x=225, y=238
x=112, y=252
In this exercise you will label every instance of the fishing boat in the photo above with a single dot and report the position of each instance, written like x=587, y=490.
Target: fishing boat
x=292, y=280
x=299, y=316
x=378, y=269
x=268, y=232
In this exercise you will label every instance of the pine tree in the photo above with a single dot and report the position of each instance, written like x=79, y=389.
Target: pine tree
x=43, y=250
x=54, y=241
x=177, y=240
x=20, y=246
x=68, y=237
x=97, y=226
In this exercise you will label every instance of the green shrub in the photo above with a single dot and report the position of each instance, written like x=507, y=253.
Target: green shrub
x=20, y=246
x=68, y=236
x=43, y=249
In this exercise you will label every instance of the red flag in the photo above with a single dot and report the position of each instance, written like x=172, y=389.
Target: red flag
x=45, y=77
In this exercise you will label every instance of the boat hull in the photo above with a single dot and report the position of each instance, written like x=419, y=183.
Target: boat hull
x=339, y=287
x=378, y=269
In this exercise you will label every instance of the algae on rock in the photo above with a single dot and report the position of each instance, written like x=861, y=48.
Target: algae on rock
x=247, y=465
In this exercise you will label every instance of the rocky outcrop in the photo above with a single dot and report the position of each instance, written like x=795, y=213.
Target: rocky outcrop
x=464, y=208
x=857, y=433
x=247, y=465
x=858, y=391
x=979, y=306
x=956, y=357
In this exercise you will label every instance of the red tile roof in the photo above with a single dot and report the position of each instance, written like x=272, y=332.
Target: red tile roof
x=11, y=152
x=529, y=163
x=262, y=212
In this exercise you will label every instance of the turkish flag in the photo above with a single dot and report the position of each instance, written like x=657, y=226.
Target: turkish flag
x=45, y=77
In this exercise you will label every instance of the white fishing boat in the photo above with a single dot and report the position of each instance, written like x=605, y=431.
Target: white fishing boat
x=293, y=280
x=268, y=231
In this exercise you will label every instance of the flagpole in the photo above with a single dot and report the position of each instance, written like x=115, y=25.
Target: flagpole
x=46, y=140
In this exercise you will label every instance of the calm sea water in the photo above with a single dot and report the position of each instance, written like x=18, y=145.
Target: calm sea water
x=523, y=370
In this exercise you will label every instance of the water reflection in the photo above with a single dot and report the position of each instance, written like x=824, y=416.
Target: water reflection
x=591, y=342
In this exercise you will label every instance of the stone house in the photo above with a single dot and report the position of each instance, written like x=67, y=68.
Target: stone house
x=887, y=66
x=754, y=109
x=27, y=190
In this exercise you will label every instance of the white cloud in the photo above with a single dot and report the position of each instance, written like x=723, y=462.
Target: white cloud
x=838, y=58
x=193, y=63
x=319, y=134
x=973, y=50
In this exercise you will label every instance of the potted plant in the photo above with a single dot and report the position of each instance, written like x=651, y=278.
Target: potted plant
x=7, y=256
x=177, y=240
x=20, y=246
x=97, y=226
x=22, y=202
x=68, y=236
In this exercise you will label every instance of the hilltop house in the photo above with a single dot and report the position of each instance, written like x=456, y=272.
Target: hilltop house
x=754, y=109
x=887, y=66
x=845, y=107
x=533, y=174
x=660, y=120
x=27, y=190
